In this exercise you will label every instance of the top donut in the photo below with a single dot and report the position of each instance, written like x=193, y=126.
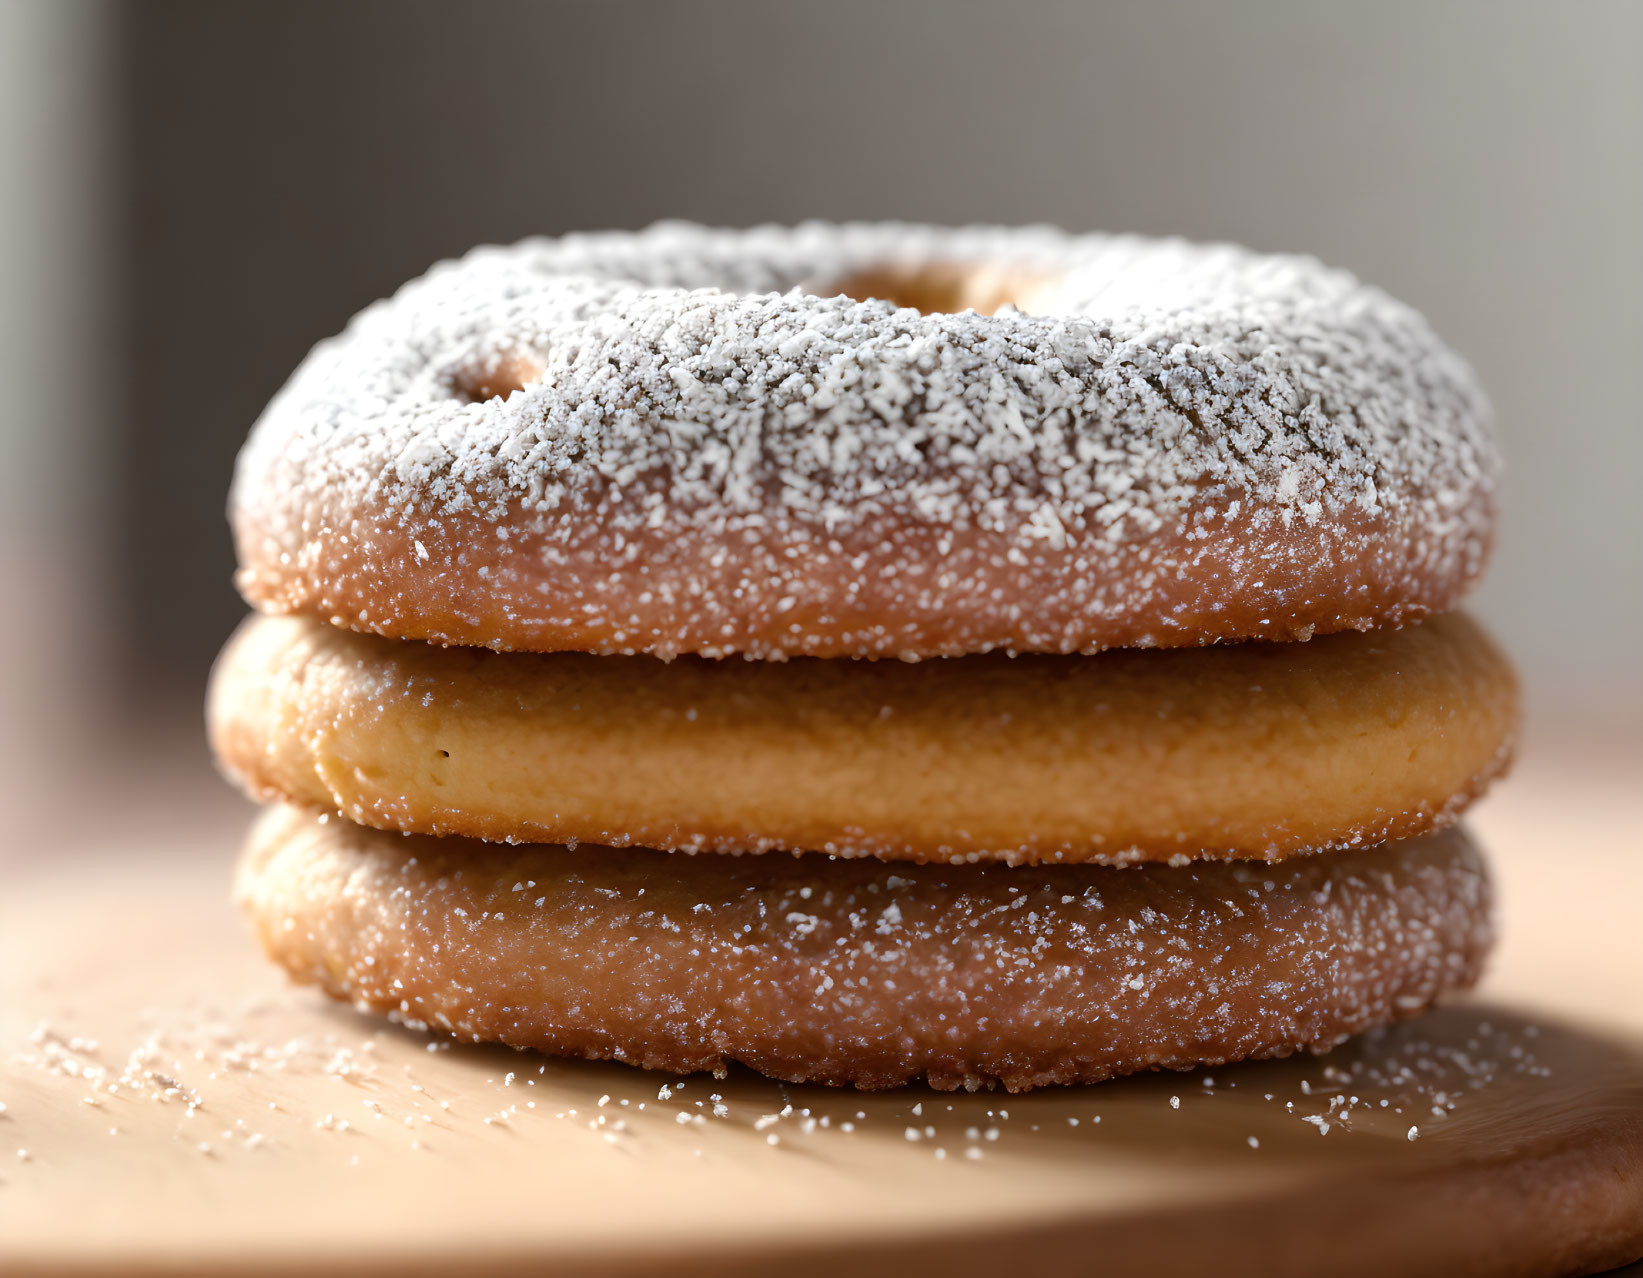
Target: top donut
x=873, y=441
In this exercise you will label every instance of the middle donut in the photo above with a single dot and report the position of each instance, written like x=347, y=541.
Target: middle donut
x=1253, y=751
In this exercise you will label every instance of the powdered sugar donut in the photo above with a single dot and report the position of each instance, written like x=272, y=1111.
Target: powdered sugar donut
x=815, y=969
x=685, y=440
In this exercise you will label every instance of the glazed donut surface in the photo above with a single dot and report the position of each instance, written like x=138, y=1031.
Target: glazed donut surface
x=816, y=969
x=693, y=441
x=1244, y=750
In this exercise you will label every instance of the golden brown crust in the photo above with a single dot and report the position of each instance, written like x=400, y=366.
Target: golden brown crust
x=890, y=588
x=1255, y=751
x=816, y=969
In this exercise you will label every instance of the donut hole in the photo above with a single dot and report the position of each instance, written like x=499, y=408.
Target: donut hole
x=947, y=288
x=495, y=378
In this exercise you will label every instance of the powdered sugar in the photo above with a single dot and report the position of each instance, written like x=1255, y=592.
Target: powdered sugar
x=1179, y=420
x=811, y=968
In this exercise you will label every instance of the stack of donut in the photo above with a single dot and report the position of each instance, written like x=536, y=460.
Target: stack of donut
x=871, y=653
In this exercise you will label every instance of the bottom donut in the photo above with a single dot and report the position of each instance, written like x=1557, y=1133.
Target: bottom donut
x=855, y=972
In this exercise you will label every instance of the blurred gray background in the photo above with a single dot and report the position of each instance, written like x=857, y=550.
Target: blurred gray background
x=196, y=192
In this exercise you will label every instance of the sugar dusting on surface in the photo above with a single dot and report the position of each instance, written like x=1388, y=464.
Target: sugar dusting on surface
x=547, y=421
x=1389, y=1086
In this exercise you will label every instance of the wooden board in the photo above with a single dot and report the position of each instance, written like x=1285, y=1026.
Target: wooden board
x=171, y=1106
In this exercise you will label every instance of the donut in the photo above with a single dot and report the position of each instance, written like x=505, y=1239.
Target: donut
x=1248, y=750
x=818, y=969
x=579, y=557
x=869, y=441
